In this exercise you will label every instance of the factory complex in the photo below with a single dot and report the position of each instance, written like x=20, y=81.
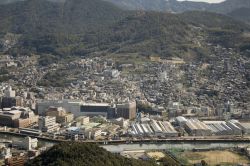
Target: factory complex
x=181, y=126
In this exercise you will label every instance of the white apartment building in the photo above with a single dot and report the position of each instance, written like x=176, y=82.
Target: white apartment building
x=48, y=124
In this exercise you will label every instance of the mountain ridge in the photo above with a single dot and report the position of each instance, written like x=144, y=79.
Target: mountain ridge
x=170, y=5
x=71, y=28
x=242, y=14
x=181, y=6
x=225, y=7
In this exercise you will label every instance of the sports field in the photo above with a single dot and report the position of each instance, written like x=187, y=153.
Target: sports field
x=156, y=155
x=216, y=157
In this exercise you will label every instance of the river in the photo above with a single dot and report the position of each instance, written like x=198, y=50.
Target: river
x=162, y=146
x=150, y=146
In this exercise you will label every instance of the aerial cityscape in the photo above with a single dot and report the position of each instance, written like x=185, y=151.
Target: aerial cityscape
x=140, y=82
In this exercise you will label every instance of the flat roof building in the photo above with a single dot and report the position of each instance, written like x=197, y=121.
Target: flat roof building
x=94, y=109
x=61, y=115
x=48, y=124
x=126, y=110
x=18, y=117
x=197, y=128
x=77, y=108
x=68, y=105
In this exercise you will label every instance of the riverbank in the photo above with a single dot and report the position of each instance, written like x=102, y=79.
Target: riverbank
x=143, y=141
x=120, y=146
x=171, y=148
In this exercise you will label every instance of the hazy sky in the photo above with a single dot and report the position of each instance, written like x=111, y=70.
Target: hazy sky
x=209, y=1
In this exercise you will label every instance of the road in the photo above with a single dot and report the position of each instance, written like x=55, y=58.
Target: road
x=211, y=139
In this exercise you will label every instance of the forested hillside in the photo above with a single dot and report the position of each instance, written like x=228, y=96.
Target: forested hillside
x=241, y=14
x=72, y=28
x=83, y=154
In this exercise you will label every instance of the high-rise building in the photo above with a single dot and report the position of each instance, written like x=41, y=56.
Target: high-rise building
x=28, y=143
x=31, y=143
x=9, y=92
x=48, y=124
x=82, y=120
x=8, y=102
x=61, y=115
x=126, y=110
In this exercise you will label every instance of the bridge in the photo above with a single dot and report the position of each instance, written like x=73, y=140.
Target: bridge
x=215, y=139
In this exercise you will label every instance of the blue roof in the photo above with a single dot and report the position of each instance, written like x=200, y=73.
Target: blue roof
x=73, y=128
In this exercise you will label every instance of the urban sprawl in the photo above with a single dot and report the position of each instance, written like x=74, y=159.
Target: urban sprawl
x=137, y=98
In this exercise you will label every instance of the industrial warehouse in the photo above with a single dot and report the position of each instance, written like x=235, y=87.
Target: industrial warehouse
x=157, y=128
x=195, y=127
x=181, y=126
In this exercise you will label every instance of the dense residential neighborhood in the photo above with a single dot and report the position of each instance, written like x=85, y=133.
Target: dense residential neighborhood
x=124, y=82
x=102, y=99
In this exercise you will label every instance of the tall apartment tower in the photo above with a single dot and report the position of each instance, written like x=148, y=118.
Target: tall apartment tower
x=126, y=110
x=9, y=92
x=48, y=124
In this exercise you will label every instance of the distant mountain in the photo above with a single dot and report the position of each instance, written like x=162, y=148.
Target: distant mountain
x=41, y=15
x=155, y=5
x=8, y=1
x=229, y=6
x=183, y=6
x=45, y=25
x=177, y=6
x=13, y=1
x=83, y=154
x=183, y=35
x=241, y=14
x=159, y=5
x=72, y=28
x=170, y=5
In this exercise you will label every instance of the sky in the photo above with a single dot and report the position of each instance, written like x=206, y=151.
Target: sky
x=209, y=1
